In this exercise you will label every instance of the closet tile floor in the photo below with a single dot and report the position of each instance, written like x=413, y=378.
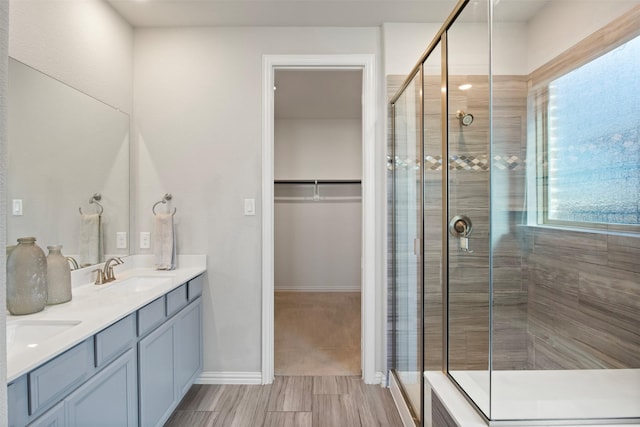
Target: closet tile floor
x=304, y=401
x=317, y=333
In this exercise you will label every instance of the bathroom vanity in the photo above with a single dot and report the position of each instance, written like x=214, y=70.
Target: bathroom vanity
x=123, y=354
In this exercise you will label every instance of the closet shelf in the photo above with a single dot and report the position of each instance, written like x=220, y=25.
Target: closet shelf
x=303, y=190
x=317, y=181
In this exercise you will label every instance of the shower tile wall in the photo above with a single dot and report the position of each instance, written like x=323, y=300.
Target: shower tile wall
x=469, y=172
x=562, y=299
x=393, y=84
x=472, y=163
x=433, y=357
x=508, y=153
x=403, y=321
x=584, y=300
x=584, y=287
x=469, y=164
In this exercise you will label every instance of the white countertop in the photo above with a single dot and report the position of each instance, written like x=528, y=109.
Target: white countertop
x=97, y=307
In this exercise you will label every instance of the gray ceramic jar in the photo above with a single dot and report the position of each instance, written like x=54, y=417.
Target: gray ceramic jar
x=26, y=278
x=58, y=276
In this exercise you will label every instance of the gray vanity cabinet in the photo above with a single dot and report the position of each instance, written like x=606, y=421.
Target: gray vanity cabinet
x=157, y=386
x=108, y=398
x=189, y=347
x=134, y=372
x=170, y=360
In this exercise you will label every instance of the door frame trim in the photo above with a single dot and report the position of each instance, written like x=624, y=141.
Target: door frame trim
x=366, y=63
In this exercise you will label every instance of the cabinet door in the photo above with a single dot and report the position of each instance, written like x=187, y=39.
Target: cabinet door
x=188, y=354
x=108, y=399
x=157, y=386
x=54, y=417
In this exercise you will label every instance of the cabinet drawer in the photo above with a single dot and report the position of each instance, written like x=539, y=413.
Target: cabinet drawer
x=53, y=380
x=115, y=339
x=18, y=402
x=150, y=316
x=194, y=289
x=176, y=299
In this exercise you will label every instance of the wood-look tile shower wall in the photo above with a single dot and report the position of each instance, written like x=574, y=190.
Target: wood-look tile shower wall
x=561, y=299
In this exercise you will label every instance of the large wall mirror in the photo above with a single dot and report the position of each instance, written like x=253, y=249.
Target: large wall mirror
x=64, y=148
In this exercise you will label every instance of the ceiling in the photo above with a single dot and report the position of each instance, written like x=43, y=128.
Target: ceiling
x=302, y=13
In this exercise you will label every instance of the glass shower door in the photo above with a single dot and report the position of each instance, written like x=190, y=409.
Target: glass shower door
x=407, y=286
x=468, y=182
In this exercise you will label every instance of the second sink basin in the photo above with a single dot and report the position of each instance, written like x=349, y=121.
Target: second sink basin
x=22, y=334
x=137, y=284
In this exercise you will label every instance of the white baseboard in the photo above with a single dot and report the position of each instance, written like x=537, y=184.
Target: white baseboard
x=254, y=378
x=230, y=378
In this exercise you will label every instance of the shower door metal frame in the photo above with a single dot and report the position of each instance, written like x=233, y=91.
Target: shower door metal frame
x=417, y=418
x=440, y=39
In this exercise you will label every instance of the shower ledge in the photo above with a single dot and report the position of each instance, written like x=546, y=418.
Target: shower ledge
x=464, y=414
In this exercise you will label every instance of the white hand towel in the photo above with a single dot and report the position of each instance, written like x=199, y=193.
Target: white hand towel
x=90, y=239
x=164, y=247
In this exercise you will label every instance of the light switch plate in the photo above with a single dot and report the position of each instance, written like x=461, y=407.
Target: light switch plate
x=249, y=206
x=16, y=208
x=121, y=240
x=145, y=240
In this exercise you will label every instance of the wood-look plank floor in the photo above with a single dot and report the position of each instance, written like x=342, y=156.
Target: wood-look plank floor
x=327, y=401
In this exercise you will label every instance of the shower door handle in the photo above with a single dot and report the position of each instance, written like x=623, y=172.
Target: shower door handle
x=460, y=226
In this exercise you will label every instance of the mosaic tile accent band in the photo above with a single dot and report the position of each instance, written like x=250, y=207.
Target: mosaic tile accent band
x=464, y=162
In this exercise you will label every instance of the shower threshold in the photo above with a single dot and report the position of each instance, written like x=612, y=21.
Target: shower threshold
x=551, y=397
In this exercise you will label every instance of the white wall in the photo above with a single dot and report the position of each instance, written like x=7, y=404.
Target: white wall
x=4, y=71
x=518, y=47
x=404, y=44
x=83, y=43
x=318, y=244
x=79, y=146
x=199, y=122
x=318, y=149
x=562, y=24
x=468, y=44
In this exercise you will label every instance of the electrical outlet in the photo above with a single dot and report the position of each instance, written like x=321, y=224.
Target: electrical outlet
x=121, y=240
x=145, y=240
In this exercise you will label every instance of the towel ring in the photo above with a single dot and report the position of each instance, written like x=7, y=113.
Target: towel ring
x=94, y=199
x=166, y=197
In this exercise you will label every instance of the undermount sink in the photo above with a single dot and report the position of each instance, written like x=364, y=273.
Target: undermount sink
x=137, y=284
x=31, y=333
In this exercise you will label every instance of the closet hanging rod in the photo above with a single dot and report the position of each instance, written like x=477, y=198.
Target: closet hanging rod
x=317, y=181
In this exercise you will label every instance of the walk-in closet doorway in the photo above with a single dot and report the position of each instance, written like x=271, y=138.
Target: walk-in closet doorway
x=318, y=288
x=317, y=222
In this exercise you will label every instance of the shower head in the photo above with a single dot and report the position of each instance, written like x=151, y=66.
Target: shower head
x=465, y=119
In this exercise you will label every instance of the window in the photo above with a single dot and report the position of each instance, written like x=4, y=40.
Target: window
x=592, y=143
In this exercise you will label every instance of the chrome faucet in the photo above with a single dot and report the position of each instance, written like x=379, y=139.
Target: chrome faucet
x=108, y=268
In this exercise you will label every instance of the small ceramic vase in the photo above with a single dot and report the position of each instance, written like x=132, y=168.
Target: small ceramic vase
x=58, y=276
x=26, y=278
